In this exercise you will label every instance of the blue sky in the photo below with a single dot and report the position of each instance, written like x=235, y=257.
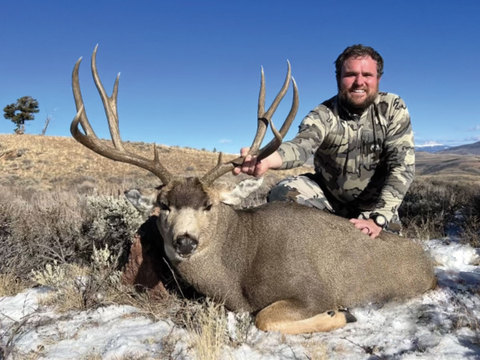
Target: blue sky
x=190, y=70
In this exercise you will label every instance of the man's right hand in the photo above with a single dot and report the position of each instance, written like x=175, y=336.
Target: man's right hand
x=252, y=166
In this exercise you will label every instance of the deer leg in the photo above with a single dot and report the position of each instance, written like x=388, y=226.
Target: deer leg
x=288, y=317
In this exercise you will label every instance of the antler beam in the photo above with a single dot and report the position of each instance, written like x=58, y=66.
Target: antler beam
x=116, y=152
x=264, y=119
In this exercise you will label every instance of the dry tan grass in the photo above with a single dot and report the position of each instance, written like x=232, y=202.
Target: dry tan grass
x=53, y=163
x=208, y=328
x=449, y=167
x=56, y=163
x=11, y=285
x=315, y=350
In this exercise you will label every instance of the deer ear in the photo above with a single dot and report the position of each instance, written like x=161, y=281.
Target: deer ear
x=143, y=200
x=241, y=191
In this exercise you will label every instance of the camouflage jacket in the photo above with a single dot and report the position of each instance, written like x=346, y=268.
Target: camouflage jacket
x=363, y=161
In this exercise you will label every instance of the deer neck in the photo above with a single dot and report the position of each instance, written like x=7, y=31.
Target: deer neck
x=224, y=262
x=226, y=238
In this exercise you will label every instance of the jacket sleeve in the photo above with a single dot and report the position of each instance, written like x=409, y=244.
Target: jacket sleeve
x=400, y=160
x=311, y=133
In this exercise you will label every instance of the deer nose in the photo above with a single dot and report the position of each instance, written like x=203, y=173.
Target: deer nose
x=185, y=245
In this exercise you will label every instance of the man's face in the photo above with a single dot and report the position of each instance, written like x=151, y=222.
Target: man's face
x=358, y=83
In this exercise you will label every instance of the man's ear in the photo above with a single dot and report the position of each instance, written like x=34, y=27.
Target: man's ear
x=143, y=200
x=241, y=191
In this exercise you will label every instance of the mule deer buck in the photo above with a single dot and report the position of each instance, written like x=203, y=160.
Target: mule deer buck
x=294, y=266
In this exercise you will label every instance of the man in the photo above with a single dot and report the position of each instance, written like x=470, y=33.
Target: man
x=363, y=148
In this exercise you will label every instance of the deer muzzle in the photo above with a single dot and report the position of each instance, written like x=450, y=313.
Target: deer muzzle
x=185, y=245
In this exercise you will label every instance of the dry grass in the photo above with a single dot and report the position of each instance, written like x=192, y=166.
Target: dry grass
x=435, y=207
x=48, y=163
x=450, y=167
x=207, y=325
x=80, y=288
x=11, y=285
x=315, y=350
x=59, y=163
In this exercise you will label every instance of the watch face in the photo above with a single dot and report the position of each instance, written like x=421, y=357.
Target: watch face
x=380, y=220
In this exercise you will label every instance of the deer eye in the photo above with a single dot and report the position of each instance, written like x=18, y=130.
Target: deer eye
x=208, y=207
x=163, y=206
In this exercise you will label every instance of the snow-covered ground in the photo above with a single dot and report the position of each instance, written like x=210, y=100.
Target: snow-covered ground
x=441, y=324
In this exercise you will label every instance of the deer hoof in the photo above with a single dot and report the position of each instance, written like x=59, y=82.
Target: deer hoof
x=348, y=315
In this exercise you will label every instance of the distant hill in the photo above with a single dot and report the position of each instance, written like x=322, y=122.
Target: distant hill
x=431, y=148
x=447, y=165
x=468, y=149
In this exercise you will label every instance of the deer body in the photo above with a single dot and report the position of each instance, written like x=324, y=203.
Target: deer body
x=250, y=260
x=292, y=264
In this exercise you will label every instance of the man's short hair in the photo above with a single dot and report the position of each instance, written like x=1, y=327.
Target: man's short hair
x=358, y=50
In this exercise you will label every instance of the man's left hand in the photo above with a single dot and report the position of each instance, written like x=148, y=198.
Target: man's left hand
x=367, y=226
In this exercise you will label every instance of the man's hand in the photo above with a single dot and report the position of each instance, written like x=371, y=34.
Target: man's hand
x=367, y=226
x=252, y=166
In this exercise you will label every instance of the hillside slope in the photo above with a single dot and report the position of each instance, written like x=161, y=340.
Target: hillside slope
x=448, y=166
x=468, y=149
x=49, y=162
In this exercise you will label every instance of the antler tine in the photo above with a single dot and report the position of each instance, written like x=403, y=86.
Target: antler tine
x=273, y=145
x=91, y=141
x=109, y=103
x=77, y=94
x=264, y=118
x=220, y=169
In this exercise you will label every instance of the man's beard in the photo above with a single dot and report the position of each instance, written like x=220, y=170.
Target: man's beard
x=356, y=108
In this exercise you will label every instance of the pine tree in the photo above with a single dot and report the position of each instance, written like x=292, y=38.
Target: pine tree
x=20, y=112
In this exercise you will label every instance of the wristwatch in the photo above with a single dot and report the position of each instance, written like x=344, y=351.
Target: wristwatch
x=379, y=219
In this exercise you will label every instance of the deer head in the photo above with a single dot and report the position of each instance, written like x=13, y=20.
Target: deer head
x=186, y=204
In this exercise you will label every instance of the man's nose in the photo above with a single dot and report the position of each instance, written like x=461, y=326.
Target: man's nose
x=359, y=80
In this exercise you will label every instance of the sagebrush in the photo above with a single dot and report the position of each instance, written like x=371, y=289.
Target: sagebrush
x=435, y=208
x=63, y=227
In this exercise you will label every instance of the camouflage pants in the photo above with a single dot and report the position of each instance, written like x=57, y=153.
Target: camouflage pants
x=306, y=191
x=300, y=189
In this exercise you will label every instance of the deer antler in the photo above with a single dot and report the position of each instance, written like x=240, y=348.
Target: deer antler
x=91, y=141
x=264, y=118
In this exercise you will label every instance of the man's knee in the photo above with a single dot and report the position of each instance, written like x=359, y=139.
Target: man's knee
x=283, y=192
x=302, y=190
